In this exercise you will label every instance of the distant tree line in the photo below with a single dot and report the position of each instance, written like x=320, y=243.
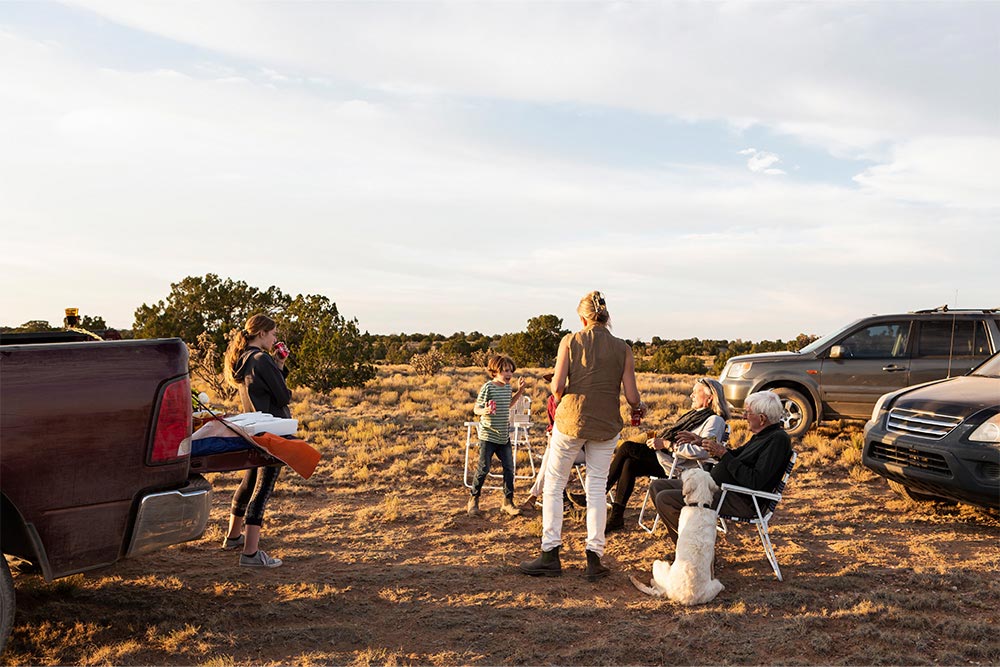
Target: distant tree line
x=329, y=350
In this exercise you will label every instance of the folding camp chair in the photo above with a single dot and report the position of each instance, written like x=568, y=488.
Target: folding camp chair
x=671, y=474
x=674, y=472
x=520, y=423
x=764, y=504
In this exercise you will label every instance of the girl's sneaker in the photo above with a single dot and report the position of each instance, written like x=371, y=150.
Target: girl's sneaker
x=259, y=559
x=233, y=542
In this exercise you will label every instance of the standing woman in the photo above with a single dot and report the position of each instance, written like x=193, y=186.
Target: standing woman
x=592, y=369
x=260, y=380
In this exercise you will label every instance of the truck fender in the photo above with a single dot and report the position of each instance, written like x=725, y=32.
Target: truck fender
x=19, y=538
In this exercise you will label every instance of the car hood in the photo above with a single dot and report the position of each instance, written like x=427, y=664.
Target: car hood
x=957, y=397
x=768, y=356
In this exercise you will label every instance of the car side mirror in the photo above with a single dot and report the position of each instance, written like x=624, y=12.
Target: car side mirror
x=838, y=352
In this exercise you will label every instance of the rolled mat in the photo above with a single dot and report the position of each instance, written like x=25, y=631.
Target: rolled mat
x=298, y=455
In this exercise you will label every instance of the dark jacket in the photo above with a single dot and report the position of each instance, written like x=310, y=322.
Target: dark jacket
x=263, y=383
x=759, y=464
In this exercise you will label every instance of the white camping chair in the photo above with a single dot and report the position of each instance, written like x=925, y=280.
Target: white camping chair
x=764, y=504
x=674, y=471
x=520, y=422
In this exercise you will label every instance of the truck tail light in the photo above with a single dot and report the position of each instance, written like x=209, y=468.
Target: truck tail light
x=172, y=435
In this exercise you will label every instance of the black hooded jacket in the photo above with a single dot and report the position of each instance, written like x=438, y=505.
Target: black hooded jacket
x=263, y=385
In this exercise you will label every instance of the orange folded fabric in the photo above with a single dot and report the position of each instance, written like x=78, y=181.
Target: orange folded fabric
x=299, y=455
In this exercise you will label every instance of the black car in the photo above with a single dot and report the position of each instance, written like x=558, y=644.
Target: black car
x=941, y=440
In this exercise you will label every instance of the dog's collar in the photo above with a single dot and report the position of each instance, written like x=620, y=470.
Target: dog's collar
x=703, y=505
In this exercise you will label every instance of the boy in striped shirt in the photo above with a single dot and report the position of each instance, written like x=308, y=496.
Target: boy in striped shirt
x=493, y=407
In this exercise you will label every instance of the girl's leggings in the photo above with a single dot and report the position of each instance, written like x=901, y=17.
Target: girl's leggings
x=253, y=492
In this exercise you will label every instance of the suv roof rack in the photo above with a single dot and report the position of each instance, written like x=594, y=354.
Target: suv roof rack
x=946, y=309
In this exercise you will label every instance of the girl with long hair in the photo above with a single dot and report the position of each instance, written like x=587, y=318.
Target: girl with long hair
x=260, y=379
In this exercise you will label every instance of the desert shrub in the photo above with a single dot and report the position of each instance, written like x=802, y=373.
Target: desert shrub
x=329, y=350
x=429, y=363
x=479, y=358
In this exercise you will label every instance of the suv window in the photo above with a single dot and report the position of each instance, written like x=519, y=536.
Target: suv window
x=967, y=338
x=880, y=341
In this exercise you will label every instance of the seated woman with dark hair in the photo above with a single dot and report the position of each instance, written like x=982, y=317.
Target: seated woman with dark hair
x=654, y=458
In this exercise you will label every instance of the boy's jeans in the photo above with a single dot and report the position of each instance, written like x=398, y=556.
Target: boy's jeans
x=506, y=455
x=562, y=453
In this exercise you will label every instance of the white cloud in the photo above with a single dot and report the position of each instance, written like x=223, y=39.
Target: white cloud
x=824, y=72
x=762, y=162
x=954, y=171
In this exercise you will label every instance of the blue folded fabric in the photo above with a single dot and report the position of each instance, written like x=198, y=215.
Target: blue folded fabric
x=206, y=446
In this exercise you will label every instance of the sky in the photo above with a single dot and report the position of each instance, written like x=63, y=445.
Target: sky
x=718, y=170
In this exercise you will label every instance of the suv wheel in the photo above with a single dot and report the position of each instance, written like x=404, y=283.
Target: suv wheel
x=799, y=413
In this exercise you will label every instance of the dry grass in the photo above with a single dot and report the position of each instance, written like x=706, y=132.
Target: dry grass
x=383, y=567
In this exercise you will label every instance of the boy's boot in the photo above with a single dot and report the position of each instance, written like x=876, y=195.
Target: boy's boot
x=595, y=570
x=616, y=519
x=473, y=506
x=507, y=507
x=546, y=565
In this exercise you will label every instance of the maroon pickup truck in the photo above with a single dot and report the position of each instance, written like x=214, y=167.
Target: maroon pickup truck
x=95, y=466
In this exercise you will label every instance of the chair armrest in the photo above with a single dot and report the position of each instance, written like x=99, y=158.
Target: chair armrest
x=750, y=492
x=471, y=424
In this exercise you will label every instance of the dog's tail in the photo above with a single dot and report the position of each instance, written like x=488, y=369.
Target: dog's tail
x=643, y=588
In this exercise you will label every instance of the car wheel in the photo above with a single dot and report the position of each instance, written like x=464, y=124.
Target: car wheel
x=910, y=494
x=6, y=602
x=799, y=414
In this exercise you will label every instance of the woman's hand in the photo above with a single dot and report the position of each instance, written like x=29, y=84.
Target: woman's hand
x=657, y=443
x=687, y=437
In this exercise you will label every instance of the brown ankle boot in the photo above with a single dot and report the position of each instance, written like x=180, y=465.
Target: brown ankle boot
x=546, y=565
x=507, y=507
x=595, y=570
x=472, y=507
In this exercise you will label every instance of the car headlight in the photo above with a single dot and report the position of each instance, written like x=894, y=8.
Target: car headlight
x=738, y=370
x=988, y=431
x=878, y=405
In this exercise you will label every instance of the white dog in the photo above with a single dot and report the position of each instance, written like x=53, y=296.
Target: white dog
x=690, y=580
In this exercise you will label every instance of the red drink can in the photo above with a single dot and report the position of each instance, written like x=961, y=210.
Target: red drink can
x=281, y=350
x=636, y=416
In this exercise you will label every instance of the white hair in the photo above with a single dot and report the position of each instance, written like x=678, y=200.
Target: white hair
x=766, y=403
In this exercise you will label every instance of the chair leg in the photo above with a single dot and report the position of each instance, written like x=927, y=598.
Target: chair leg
x=765, y=539
x=468, y=446
x=642, y=512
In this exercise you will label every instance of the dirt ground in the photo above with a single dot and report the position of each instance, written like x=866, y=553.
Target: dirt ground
x=383, y=566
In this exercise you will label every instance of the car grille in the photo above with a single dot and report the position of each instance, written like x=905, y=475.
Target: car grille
x=906, y=456
x=921, y=424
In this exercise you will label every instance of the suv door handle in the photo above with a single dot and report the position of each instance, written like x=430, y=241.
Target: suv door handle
x=893, y=368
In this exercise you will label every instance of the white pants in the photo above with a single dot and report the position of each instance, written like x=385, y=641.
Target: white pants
x=562, y=453
x=538, y=487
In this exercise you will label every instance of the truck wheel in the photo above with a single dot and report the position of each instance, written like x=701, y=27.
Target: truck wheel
x=916, y=497
x=6, y=602
x=799, y=414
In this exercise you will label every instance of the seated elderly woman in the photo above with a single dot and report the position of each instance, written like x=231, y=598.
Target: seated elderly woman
x=758, y=465
x=654, y=458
